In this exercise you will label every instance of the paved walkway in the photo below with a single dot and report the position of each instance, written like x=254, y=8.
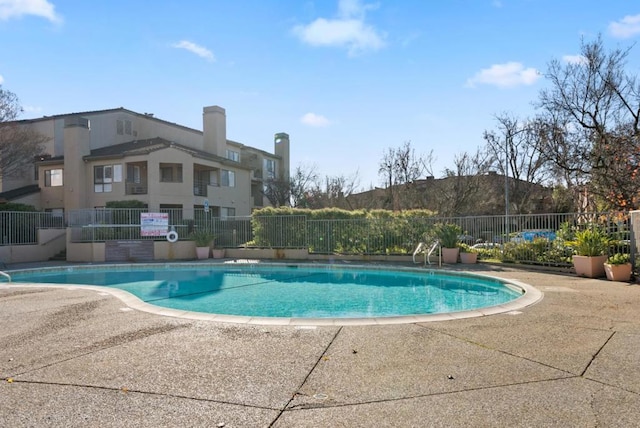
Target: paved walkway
x=72, y=357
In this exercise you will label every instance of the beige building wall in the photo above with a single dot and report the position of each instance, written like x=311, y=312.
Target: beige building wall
x=174, y=193
x=73, y=137
x=50, y=197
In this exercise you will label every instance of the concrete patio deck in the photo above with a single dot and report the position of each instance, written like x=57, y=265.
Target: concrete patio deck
x=71, y=357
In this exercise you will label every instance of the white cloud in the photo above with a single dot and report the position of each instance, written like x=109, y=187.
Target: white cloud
x=201, y=51
x=506, y=75
x=574, y=59
x=627, y=27
x=316, y=120
x=17, y=8
x=348, y=30
x=1, y=79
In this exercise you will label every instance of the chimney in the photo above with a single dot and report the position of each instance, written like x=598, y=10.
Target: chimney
x=214, y=129
x=76, y=145
x=281, y=148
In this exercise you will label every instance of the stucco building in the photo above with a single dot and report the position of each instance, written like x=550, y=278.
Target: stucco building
x=95, y=157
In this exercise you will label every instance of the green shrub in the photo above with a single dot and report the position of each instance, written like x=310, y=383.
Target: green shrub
x=591, y=242
x=202, y=237
x=340, y=231
x=448, y=234
x=619, y=259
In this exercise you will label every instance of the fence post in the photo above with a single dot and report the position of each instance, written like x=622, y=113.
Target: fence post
x=635, y=229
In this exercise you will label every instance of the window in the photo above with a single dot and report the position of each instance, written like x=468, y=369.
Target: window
x=171, y=172
x=227, y=212
x=53, y=178
x=123, y=127
x=233, y=155
x=213, y=178
x=269, y=168
x=102, y=178
x=228, y=178
x=133, y=174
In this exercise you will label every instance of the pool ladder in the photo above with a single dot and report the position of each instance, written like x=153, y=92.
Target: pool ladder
x=427, y=254
x=6, y=275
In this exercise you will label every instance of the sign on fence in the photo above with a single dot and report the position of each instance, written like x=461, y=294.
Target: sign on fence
x=154, y=224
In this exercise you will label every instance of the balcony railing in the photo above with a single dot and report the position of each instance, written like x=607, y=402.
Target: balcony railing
x=136, y=189
x=200, y=187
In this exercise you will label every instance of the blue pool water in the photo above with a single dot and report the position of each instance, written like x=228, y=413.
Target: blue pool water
x=290, y=291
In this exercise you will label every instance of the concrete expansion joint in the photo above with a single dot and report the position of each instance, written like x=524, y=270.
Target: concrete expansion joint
x=322, y=357
x=126, y=390
x=593, y=358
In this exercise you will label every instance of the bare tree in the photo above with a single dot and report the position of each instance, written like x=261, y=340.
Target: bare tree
x=18, y=144
x=516, y=149
x=399, y=169
x=592, y=114
x=277, y=191
x=463, y=190
x=301, y=190
x=338, y=189
x=304, y=185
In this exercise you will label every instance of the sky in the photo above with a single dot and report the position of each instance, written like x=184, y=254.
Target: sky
x=346, y=79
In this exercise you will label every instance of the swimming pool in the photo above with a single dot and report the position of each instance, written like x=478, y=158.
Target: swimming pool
x=294, y=293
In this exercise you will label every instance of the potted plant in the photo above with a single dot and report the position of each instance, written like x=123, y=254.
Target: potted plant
x=448, y=235
x=203, y=239
x=618, y=267
x=467, y=254
x=217, y=253
x=590, y=249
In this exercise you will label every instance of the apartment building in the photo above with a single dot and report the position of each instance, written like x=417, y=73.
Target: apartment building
x=95, y=157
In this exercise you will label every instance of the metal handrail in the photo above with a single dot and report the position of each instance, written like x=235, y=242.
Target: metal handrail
x=6, y=275
x=427, y=254
x=435, y=245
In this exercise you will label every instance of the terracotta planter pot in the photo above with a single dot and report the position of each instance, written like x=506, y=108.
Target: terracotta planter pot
x=202, y=252
x=450, y=255
x=589, y=266
x=469, y=258
x=618, y=272
x=218, y=253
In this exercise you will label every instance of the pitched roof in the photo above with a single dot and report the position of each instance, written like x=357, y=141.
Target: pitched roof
x=111, y=110
x=130, y=148
x=20, y=191
x=143, y=147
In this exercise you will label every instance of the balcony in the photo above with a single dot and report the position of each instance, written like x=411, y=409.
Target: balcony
x=136, y=189
x=200, y=187
x=136, y=179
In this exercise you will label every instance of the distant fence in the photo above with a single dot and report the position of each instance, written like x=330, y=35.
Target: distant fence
x=21, y=227
x=513, y=238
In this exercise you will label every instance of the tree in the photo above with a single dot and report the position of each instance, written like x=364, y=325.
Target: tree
x=304, y=186
x=516, y=148
x=18, y=144
x=461, y=192
x=592, y=118
x=399, y=170
x=278, y=191
x=296, y=190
